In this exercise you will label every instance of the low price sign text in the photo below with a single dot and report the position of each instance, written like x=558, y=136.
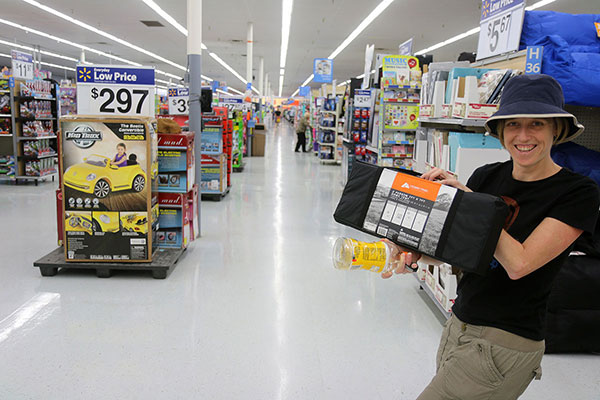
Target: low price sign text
x=105, y=90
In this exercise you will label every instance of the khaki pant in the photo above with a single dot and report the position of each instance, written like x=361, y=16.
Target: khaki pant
x=479, y=362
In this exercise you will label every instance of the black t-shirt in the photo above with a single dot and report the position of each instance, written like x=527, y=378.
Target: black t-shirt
x=519, y=306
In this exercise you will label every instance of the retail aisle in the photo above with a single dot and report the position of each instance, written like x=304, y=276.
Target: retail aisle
x=253, y=311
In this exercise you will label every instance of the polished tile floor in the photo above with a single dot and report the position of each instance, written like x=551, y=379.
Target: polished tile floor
x=254, y=309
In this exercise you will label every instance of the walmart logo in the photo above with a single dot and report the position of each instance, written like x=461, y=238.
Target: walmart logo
x=85, y=74
x=172, y=92
x=485, y=8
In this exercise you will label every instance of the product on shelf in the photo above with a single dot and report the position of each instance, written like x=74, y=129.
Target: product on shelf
x=36, y=88
x=68, y=100
x=7, y=166
x=40, y=168
x=37, y=129
x=36, y=109
x=5, y=126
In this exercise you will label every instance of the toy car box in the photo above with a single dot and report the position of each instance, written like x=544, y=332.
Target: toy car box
x=108, y=167
x=176, y=172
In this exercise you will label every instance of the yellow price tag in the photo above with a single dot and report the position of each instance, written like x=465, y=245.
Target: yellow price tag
x=597, y=28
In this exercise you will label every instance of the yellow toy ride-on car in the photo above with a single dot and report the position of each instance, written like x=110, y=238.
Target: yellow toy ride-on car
x=97, y=176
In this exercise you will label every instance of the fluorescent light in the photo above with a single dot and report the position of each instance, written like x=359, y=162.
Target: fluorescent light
x=102, y=33
x=287, y=7
x=475, y=30
x=539, y=4
x=224, y=92
x=296, y=92
x=45, y=63
x=47, y=53
x=227, y=67
x=166, y=16
x=280, y=84
x=361, y=27
x=310, y=78
x=281, y=71
x=236, y=91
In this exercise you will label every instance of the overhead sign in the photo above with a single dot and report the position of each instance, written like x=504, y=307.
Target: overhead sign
x=533, y=63
x=405, y=49
x=501, y=24
x=120, y=90
x=234, y=103
x=22, y=65
x=179, y=100
x=323, y=70
x=304, y=91
x=369, y=50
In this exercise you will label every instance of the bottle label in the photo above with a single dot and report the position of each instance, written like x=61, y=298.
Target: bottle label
x=368, y=256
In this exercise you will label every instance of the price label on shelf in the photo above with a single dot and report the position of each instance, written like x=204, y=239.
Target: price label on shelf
x=501, y=24
x=179, y=101
x=108, y=90
x=22, y=65
x=234, y=103
x=362, y=98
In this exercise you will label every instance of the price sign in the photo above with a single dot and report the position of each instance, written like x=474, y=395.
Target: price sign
x=22, y=65
x=362, y=98
x=501, y=24
x=179, y=101
x=234, y=103
x=106, y=90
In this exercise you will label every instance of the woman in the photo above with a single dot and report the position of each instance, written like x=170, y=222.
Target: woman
x=492, y=346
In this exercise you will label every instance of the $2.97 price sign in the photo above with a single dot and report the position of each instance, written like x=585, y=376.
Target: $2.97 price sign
x=362, y=98
x=501, y=23
x=121, y=101
x=115, y=90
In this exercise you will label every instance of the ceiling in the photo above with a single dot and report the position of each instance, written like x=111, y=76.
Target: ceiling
x=318, y=27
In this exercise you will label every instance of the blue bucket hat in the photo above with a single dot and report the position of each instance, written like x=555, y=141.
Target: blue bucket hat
x=534, y=96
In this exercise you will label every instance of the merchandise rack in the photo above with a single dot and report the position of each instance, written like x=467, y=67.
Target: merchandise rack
x=17, y=122
x=329, y=147
x=8, y=142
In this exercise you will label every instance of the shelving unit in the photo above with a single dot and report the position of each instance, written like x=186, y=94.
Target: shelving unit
x=7, y=137
x=28, y=133
x=329, y=145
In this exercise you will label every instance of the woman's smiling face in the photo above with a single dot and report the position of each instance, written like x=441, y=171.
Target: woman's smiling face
x=529, y=140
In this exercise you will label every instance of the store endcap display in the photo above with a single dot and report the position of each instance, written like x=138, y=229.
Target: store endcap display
x=445, y=223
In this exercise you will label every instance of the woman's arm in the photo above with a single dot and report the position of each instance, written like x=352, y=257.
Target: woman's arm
x=546, y=242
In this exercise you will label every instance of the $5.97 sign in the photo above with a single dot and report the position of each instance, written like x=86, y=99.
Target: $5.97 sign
x=110, y=90
x=179, y=99
x=501, y=24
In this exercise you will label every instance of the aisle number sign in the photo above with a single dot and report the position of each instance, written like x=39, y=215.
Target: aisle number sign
x=533, y=63
x=22, y=65
x=179, y=101
x=501, y=24
x=115, y=90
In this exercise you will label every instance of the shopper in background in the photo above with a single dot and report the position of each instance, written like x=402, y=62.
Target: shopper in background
x=303, y=125
x=120, y=159
x=278, y=115
x=492, y=346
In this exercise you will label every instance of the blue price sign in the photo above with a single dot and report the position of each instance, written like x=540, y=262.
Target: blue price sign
x=533, y=63
x=323, y=70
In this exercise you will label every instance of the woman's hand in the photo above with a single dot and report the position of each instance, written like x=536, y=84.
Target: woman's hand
x=400, y=257
x=445, y=178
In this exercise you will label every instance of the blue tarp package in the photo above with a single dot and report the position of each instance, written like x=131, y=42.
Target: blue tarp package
x=578, y=159
x=571, y=52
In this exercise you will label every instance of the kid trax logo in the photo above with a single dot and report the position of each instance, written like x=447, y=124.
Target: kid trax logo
x=83, y=136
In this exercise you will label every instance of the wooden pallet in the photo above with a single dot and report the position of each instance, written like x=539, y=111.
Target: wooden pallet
x=163, y=262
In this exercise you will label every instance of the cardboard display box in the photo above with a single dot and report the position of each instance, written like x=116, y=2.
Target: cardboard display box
x=176, y=162
x=108, y=167
x=258, y=144
x=214, y=174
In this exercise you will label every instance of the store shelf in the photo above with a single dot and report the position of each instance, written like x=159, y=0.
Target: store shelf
x=372, y=149
x=345, y=140
x=34, y=98
x=7, y=178
x=29, y=158
x=401, y=101
x=326, y=143
x=394, y=155
x=4, y=91
x=391, y=143
x=328, y=112
x=34, y=119
x=330, y=128
x=5, y=116
x=35, y=137
x=416, y=87
x=479, y=123
x=6, y=135
x=37, y=177
x=328, y=161
x=429, y=293
x=398, y=130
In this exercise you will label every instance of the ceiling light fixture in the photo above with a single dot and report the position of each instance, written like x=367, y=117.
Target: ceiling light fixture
x=44, y=63
x=47, y=53
x=102, y=33
x=236, y=91
x=357, y=31
x=475, y=30
x=287, y=7
x=166, y=16
x=227, y=67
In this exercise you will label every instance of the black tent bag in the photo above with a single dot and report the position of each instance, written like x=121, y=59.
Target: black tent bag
x=456, y=227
